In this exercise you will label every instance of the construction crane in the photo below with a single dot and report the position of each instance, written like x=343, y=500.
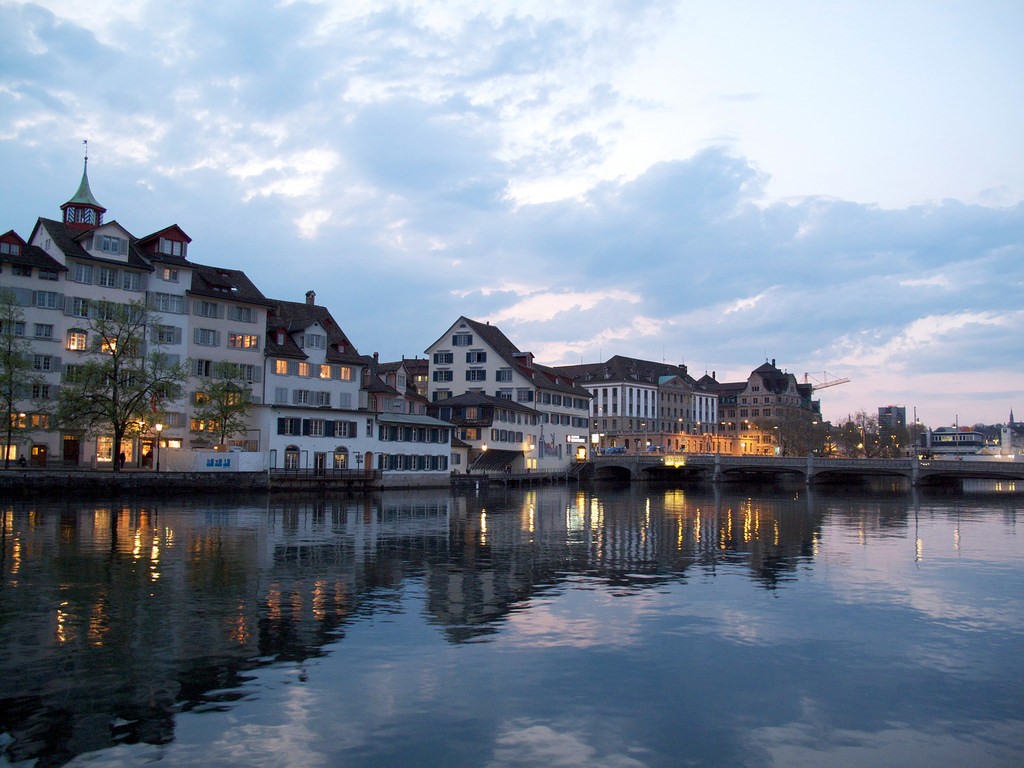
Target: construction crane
x=822, y=380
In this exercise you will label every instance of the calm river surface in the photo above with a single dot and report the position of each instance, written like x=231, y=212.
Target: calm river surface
x=604, y=627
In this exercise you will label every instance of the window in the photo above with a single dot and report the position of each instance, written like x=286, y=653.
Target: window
x=476, y=356
x=301, y=397
x=169, y=273
x=79, y=307
x=40, y=420
x=47, y=274
x=444, y=358
x=168, y=334
x=462, y=340
x=476, y=374
x=281, y=394
x=77, y=340
x=206, y=309
x=110, y=244
x=43, y=331
x=202, y=368
x=345, y=373
x=325, y=371
x=12, y=248
x=503, y=374
x=243, y=341
x=316, y=427
x=21, y=270
x=104, y=448
x=289, y=426
x=45, y=299
x=442, y=376
x=305, y=369
x=321, y=398
x=106, y=277
x=172, y=248
x=168, y=302
x=42, y=363
x=131, y=281
x=206, y=337
x=81, y=273
x=241, y=314
x=314, y=341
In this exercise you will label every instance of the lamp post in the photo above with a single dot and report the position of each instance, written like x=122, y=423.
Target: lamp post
x=159, y=428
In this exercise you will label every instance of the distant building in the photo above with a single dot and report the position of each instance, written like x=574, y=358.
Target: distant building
x=892, y=416
x=641, y=405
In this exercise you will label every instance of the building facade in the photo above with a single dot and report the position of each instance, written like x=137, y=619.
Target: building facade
x=477, y=358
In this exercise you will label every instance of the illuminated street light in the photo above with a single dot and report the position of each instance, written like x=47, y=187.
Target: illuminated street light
x=159, y=428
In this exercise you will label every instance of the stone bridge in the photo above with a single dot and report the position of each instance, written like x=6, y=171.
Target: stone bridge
x=810, y=469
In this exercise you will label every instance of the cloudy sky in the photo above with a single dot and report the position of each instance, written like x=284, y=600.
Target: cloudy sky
x=834, y=185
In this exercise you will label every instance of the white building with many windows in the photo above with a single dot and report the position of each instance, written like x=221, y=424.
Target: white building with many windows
x=551, y=426
x=317, y=412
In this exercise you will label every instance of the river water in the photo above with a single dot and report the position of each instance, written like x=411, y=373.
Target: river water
x=607, y=627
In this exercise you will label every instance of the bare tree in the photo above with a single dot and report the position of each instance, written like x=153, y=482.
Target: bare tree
x=120, y=382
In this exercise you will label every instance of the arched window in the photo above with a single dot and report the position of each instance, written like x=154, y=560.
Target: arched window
x=341, y=457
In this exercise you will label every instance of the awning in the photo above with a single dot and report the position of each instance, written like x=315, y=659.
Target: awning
x=491, y=461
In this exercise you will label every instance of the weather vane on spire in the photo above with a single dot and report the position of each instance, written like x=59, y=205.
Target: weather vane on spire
x=86, y=143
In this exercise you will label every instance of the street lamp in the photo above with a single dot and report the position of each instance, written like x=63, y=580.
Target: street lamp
x=159, y=428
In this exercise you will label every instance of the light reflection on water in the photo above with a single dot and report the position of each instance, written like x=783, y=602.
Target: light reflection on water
x=559, y=627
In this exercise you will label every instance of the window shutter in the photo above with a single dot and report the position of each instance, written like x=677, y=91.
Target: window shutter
x=124, y=246
x=280, y=426
x=305, y=426
x=329, y=428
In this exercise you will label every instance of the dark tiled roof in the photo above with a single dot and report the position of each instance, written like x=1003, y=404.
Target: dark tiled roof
x=69, y=240
x=225, y=284
x=31, y=256
x=621, y=368
x=295, y=316
x=542, y=376
x=480, y=399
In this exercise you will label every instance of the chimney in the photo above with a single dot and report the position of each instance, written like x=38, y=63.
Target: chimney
x=311, y=298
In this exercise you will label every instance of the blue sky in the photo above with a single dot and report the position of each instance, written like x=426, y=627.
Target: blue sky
x=834, y=185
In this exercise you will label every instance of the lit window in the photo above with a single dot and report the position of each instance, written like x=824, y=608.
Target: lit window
x=243, y=341
x=305, y=369
x=77, y=340
x=281, y=367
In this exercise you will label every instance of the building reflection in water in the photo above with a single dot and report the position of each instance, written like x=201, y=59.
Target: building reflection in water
x=113, y=618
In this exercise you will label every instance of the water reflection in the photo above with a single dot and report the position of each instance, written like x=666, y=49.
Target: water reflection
x=117, y=619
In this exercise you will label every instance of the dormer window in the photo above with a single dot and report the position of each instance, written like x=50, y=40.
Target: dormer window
x=314, y=341
x=172, y=247
x=110, y=244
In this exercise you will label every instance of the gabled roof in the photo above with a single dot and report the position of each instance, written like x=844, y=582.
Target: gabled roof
x=173, y=232
x=69, y=241
x=544, y=377
x=295, y=317
x=28, y=255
